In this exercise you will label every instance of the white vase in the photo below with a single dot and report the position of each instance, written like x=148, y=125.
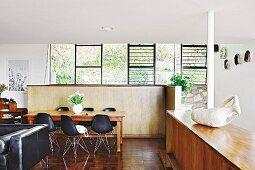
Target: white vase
x=77, y=108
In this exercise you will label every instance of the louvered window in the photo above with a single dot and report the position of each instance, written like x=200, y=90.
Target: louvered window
x=194, y=62
x=141, y=64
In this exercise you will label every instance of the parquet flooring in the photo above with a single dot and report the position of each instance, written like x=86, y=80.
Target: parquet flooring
x=137, y=154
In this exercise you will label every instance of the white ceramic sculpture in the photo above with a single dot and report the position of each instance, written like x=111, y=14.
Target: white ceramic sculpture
x=219, y=116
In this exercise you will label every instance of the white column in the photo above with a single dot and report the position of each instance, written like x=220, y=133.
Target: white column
x=210, y=59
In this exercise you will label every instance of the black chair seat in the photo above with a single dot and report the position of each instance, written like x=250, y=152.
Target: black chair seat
x=109, y=109
x=91, y=109
x=113, y=123
x=44, y=118
x=101, y=124
x=63, y=109
x=68, y=126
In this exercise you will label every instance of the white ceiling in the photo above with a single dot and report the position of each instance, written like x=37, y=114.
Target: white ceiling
x=160, y=21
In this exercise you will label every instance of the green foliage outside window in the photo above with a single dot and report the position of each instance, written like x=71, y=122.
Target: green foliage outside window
x=114, y=64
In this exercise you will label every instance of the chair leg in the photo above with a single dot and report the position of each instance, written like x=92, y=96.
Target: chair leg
x=101, y=140
x=75, y=143
x=84, y=147
x=98, y=143
x=53, y=140
x=51, y=143
x=46, y=161
x=106, y=144
x=67, y=147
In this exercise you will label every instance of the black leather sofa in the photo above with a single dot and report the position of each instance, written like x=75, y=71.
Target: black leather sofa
x=22, y=146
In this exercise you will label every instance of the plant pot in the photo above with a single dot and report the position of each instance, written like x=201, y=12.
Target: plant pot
x=12, y=106
x=77, y=109
x=173, y=97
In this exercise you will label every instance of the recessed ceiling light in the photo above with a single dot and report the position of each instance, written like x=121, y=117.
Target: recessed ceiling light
x=107, y=28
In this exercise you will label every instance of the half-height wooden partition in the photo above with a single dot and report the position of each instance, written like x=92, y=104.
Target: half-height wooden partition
x=191, y=146
x=144, y=105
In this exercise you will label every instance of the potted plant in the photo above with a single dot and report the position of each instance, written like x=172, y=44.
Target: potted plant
x=179, y=85
x=185, y=82
x=3, y=87
x=76, y=99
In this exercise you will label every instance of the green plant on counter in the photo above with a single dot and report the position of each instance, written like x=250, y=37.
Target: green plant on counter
x=76, y=98
x=184, y=81
x=3, y=87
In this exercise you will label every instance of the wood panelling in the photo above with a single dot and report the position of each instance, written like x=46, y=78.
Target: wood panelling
x=200, y=147
x=173, y=97
x=144, y=106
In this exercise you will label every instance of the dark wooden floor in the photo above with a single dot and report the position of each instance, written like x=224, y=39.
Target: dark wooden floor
x=137, y=154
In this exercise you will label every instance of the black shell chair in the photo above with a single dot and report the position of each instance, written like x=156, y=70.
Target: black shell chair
x=63, y=109
x=101, y=125
x=91, y=109
x=111, y=109
x=74, y=138
x=44, y=118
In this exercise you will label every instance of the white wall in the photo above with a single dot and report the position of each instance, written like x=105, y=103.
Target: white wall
x=37, y=56
x=239, y=80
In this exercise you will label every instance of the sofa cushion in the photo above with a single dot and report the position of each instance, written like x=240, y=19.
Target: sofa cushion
x=5, y=139
x=3, y=160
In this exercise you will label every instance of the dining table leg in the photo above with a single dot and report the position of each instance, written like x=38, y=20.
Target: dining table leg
x=118, y=135
x=121, y=131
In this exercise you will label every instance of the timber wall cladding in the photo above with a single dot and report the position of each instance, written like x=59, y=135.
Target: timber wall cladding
x=144, y=105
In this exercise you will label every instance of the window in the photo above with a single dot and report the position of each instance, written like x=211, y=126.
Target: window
x=167, y=62
x=194, y=59
x=88, y=64
x=62, y=63
x=115, y=64
x=141, y=64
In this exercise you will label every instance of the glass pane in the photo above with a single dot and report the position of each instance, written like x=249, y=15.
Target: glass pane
x=197, y=75
x=141, y=76
x=115, y=64
x=141, y=64
x=164, y=63
x=88, y=56
x=62, y=63
x=177, y=58
x=194, y=62
x=88, y=76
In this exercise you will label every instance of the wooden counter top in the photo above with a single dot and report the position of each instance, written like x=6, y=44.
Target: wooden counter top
x=235, y=144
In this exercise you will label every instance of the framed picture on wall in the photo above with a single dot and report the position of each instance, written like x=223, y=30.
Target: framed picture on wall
x=18, y=71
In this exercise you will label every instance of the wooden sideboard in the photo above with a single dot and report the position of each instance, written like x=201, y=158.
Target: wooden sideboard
x=193, y=146
x=18, y=115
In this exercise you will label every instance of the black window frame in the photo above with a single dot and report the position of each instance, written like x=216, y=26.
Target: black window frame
x=75, y=61
x=194, y=67
x=140, y=67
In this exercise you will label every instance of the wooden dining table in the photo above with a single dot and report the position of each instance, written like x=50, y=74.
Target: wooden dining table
x=84, y=116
